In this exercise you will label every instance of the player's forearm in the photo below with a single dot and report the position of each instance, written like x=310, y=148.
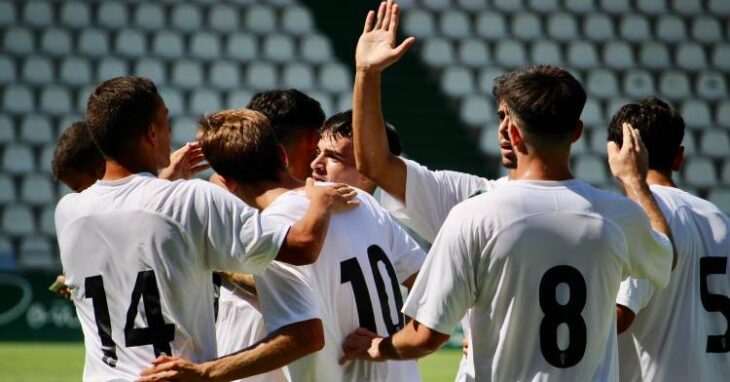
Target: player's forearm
x=305, y=237
x=372, y=153
x=412, y=342
x=638, y=191
x=277, y=350
x=240, y=280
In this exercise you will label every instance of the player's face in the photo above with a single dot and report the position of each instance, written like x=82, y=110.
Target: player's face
x=335, y=162
x=509, y=159
x=163, y=136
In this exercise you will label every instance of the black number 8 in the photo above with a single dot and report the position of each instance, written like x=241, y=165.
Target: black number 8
x=556, y=314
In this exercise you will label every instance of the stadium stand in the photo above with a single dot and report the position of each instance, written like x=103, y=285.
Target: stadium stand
x=208, y=55
x=622, y=50
x=203, y=55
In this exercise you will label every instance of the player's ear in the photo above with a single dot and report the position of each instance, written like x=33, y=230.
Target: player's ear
x=282, y=155
x=228, y=184
x=678, y=159
x=577, y=132
x=515, y=136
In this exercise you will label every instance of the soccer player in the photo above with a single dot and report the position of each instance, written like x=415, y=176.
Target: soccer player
x=78, y=163
x=138, y=251
x=539, y=259
x=296, y=119
x=415, y=195
x=681, y=333
x=335, y=160
x=356, y=282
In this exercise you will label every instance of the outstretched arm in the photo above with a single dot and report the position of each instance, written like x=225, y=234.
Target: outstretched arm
x=278, y=349
x=376, y=50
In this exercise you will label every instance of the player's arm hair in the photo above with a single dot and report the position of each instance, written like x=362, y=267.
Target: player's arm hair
x=624, y=318
x=639, y=192
x=408, y=283
x=278, y=349
x=413, y=341
x=372, y=153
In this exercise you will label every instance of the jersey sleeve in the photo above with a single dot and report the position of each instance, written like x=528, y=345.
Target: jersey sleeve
x=407, y=255
x=286, y=295
x=650, y=252
x=446, y=286
x=237, y=237
x=635, y=294
x=430, y=195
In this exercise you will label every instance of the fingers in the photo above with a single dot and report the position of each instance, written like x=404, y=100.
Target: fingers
x=196, y=169
x=366, y=332
x=309, y=182
x=612, y=149
x=395, y=15
x=369, y=22
x=162, y=359
x=628, y=137
x=381, y=13
x=401, y=49
x=387, y=15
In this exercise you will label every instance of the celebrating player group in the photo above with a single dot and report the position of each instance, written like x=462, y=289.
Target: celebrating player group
x=303, y=259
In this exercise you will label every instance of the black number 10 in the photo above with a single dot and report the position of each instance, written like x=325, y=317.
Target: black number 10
x=351, y=272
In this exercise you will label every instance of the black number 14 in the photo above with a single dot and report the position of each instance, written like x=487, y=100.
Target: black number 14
x=157, y=333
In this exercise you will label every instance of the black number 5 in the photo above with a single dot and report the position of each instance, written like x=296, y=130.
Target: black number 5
x=715, y=302
x=556, y=314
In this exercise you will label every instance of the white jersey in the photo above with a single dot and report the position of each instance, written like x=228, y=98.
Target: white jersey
x=138, y=255
x=540, y=264
x=682, y=333
x=430, y=195
x=240, y=325
x=354, y=283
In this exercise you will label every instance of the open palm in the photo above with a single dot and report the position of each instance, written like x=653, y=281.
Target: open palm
x=376, y=49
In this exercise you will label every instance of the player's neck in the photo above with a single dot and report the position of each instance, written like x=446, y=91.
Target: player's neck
x=115, y=170
x=661, y=178
x=534, y=167
x=261, y=194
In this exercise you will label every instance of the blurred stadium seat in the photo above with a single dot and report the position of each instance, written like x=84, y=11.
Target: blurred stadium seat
x=207, y=55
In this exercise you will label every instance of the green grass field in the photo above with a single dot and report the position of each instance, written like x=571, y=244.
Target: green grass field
x=33, y=362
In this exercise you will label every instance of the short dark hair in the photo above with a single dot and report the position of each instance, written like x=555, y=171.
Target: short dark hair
x=661, y=128
x=119, y=111
x=340, y=125
x=240, y=145
x=545, y=100
x=289, y=111
x=76, y=153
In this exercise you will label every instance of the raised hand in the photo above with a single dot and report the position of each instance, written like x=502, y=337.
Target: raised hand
x=630, y=163
x=339, y=196
x=185, y=162
x=376, y=48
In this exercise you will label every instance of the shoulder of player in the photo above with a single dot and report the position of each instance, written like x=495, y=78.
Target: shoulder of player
x=450, y=175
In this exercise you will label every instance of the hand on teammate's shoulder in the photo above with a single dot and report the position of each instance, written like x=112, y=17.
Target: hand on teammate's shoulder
x=339, y=197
